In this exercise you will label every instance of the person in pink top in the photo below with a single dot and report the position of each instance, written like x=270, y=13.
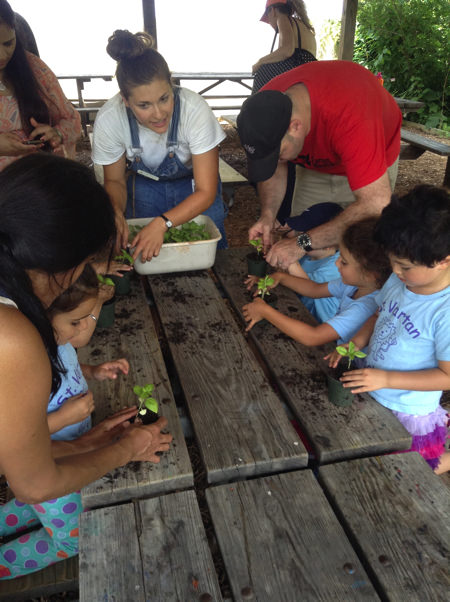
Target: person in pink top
x=33, y=107
x=334, y=120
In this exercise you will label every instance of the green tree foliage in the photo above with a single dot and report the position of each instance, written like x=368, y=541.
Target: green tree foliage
x=408, y=41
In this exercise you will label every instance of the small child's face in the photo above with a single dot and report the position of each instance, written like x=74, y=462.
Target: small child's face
x=349, y=268
x=420, y=278
x=70, y=324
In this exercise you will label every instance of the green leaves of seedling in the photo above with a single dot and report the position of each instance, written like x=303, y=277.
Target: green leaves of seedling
x=187, y=233
x=263, y=285
x=257, y=243
x=146, y=400
x=105, y=280
x=124, y=257
x=351, y=352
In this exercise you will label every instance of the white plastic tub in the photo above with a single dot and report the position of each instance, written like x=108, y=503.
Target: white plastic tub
x=181, y=256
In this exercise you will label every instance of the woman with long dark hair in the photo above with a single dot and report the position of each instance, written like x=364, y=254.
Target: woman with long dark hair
x=34, y=113
x=55, y=218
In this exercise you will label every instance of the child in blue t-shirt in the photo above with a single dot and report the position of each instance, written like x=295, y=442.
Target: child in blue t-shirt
x=363, y=268
x=73, y=315
x=408, y=363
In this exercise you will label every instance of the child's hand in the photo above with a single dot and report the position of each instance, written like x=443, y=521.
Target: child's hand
x=365, y=380
x=254, y=312
x=251, y=281
x=77, y=408
x=112, y=268
x=334, y=358
x=105, y=292
x=110, y=369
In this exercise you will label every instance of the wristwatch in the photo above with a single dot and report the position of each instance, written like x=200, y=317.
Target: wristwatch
x=304, y=241
x=167, y=221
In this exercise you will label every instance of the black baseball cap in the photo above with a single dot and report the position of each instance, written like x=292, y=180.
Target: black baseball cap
x=263, y=121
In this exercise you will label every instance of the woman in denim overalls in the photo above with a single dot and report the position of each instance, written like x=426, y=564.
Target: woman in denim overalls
x=158, y=147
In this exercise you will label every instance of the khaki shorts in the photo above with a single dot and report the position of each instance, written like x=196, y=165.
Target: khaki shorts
x=312, y=187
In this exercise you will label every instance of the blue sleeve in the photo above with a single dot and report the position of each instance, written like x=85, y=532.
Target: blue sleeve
x=349, y=321
x=336, y=288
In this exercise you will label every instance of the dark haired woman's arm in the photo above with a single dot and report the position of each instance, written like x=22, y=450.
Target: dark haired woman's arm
x=286, y=45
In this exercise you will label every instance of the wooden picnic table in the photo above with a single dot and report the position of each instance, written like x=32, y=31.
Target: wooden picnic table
x=281, y=534
x=335, y=433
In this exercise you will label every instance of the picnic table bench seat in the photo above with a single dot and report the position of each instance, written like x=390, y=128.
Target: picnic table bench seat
x=230, y=178
x=418, y=144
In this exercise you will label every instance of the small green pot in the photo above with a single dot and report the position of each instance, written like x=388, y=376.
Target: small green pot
x=106, y=317
x=337, y=394
x=122, y=284
x=256, y=265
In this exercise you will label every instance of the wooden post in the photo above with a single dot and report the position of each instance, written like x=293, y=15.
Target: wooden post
x=148, y=8
x=348, y=25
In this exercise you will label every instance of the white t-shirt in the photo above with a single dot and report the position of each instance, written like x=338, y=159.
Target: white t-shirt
x=198, y=132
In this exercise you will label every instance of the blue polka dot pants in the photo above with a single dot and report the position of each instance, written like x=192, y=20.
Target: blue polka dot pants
x=54, y=538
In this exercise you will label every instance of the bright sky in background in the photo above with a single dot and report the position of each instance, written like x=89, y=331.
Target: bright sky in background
x=199, y=35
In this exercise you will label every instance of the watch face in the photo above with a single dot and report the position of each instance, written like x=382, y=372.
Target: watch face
x=169, y=223
x=304, y=241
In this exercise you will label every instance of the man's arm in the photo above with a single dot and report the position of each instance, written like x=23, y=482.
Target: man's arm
x=369, y=201
x=271, y=194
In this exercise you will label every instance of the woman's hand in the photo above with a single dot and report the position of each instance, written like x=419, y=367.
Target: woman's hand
x=365, y=380
x=110, y=369
x=46, y=133
x=149, y=240
x=147, y=441
x=254, y=312
x=11, y=145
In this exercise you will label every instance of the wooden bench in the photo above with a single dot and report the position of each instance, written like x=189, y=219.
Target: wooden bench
x=154, y=549
x=280, y=541
x=396, y=513
x=230, y=179
x=417, y=145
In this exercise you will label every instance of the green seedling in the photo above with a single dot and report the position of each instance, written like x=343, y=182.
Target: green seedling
x=145, y=398
x=351, y=352
x=189, y=232
x=263, y=286
x=105, y=280
x=257, y=243
x=124, y=257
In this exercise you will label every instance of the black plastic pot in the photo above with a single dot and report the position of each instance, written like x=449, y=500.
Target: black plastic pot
x=337, y=394
x=122, y=283
x=256, y=265
x=106, y=317
x=149, y=417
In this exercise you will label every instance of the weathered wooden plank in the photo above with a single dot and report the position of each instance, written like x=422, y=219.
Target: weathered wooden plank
x=133, y=336
x=398, y=513
x=365, y=428
x=239, y=422
x=426, y=143
x=60, y=577
x=109, y=556
x=281, y=541
x=154, y=549
x=175, y=555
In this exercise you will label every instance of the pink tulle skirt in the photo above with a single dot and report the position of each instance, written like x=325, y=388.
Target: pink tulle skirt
x=429, y=433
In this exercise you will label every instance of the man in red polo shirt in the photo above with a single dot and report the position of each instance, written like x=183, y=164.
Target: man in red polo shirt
x=335, y=120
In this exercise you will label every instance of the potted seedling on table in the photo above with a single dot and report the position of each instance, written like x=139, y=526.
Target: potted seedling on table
x=122, y=283
x=337, y=394
x=148, y=406
x=263, y=289
x=106, y=317
x=256, y=264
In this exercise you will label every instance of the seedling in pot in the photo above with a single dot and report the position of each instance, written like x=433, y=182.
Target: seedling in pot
x=263, y=286
x=148, y=406
x=105, y=280
x=351, y=353
x=124, y=257
x=257, y=243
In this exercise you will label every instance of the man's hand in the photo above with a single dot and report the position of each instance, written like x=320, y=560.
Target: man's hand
x=283, y=253
x=262, y=229
x=365, y=380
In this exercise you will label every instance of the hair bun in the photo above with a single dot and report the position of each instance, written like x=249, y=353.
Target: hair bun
x=123, y=44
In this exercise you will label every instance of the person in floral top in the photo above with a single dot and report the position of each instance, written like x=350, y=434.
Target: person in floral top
x=32, y=104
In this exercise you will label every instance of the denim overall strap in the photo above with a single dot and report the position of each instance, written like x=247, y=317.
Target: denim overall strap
x=172, y=136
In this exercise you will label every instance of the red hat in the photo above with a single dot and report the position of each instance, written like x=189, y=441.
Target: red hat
x=270, y=3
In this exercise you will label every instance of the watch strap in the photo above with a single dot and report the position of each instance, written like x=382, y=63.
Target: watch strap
x=169, y=223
